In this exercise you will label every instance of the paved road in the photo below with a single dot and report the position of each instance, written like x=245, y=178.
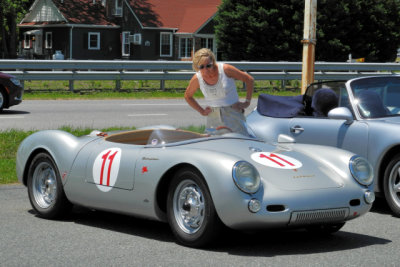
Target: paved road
x=93, y=238
x=99, y=114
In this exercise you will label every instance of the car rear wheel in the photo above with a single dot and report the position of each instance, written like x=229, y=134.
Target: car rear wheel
x=325, y=228
x=45, y=189
x=190, y=210
x=391, y=185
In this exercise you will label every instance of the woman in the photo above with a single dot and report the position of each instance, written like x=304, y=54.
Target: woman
x=217, y=83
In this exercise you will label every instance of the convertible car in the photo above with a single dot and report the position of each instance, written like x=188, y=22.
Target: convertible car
x=360, y=115
x=197, y=183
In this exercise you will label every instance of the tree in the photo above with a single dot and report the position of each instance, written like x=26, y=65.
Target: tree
x=11, y=12
x=272, y=30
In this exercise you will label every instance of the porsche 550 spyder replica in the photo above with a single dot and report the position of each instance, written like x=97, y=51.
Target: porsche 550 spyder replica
x=197, y=183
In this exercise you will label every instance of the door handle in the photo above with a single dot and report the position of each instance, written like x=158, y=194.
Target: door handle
x=296, y=129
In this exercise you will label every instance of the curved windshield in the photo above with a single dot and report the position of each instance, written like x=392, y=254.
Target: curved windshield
x=377, y=97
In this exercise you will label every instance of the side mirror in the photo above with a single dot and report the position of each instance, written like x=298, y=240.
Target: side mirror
x=341, y=113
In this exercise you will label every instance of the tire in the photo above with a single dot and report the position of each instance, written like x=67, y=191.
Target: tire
x=2, y=99
x=325, y=229
x=391, y=185
x=190, y=210
x=45, y=189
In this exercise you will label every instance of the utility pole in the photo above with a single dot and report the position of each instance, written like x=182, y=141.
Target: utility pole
x=309, y=41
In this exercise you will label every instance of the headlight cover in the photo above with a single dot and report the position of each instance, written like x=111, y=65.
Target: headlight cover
x=246, y=177
x=15, y=81
x=361, y=170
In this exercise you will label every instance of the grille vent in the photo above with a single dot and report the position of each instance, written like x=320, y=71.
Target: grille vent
x=318, y=216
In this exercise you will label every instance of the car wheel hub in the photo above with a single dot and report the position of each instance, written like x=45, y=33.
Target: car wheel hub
x=189, y=207
x=44, y=185
x=394, y=184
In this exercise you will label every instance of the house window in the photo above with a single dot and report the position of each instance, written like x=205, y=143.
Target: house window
x=27, y=41
x=118, y=8
x=207, y=43
x=166, y=44
x=185, y=47
x=49, y=40
x=94, y=41
x=126, y=45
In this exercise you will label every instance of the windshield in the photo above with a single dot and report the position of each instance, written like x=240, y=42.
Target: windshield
x=377, y=97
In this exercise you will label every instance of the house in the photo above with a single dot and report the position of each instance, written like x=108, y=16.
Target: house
x=118, y=29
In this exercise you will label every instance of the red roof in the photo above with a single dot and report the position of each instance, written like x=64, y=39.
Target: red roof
x=79, y=12
x=185, y=15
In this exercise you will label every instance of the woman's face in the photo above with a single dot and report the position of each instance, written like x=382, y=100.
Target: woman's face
x=205, y=64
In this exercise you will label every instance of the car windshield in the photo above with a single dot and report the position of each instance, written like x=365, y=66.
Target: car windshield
x=377, y=97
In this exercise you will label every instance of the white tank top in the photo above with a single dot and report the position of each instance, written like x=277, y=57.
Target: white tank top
x=221, y=94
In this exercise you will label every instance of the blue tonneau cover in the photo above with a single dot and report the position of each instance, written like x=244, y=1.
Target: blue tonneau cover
x=280, y=106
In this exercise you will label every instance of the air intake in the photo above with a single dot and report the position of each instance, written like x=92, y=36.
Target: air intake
x=318, y=216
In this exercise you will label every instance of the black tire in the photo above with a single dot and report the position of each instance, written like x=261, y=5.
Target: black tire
x=391, y=185
x=190, y=210
x=45, y=189
x=3, y=99
x=325, y=229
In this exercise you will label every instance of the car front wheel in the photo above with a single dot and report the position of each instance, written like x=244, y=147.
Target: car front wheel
x=391, y=185
x=2, y=99
x=190, y=210
x=45, y=189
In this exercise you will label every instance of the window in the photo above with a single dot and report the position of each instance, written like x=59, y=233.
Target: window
x=118, y=8
x=166, y=44
x=207, y=43
x=126, y=45
x=27, y=41
x=49, y=40
x=94, y=41
x=185, y=47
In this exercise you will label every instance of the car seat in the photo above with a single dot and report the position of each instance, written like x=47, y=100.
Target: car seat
x=323, y=101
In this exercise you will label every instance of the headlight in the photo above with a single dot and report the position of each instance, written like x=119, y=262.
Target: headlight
x=361, y=170
x=15, y=81
x=246, y=177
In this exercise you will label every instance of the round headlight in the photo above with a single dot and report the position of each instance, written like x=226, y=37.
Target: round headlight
x=361, y=170
x=246, y=177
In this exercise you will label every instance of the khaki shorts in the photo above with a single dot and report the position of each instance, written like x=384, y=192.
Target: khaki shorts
x=226, y=117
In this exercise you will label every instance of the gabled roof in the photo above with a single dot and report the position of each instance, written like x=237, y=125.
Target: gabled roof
x=82, y=12
x=187, y=16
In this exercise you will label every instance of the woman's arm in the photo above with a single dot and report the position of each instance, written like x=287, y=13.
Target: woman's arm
x=190, y=90
x=237, y=74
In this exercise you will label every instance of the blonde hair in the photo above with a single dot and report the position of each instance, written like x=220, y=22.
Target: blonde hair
x=203, y=52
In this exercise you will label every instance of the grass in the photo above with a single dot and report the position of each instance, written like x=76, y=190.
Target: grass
x=52, y=90
x=10, y=140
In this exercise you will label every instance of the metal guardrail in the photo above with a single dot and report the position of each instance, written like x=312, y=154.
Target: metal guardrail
x=119, y=70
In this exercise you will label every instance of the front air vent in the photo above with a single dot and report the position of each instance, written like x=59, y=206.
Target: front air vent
x=318, y=216
x=275, y=208
x=355, y=202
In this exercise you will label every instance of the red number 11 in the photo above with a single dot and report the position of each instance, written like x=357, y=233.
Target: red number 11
x=272, y=155
x=111, y=158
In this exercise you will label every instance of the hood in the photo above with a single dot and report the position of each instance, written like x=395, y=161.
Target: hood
x=289, y=166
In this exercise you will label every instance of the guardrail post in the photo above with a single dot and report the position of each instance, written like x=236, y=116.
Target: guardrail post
x=71, y=85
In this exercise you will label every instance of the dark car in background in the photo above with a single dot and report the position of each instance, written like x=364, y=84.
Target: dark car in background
x=10, y=91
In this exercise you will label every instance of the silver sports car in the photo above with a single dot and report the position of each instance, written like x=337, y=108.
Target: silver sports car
x=197, y=183
x=360, y=115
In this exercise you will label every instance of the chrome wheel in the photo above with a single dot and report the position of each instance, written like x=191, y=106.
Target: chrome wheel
x=394, y=184
x=189, y=206
x=44, y=185
x=45, y=189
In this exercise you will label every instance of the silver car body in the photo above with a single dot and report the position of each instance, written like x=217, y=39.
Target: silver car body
x=358, y=124
x=313, y=180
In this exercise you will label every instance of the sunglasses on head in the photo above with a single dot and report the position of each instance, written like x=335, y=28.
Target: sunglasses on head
x=206, y=66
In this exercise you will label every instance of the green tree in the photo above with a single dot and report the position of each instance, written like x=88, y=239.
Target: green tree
x=272, y=30
x=11, y=12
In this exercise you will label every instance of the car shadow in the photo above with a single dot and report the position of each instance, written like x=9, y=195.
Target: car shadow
x=262, y=243
x=380, y=206
x=13, y=112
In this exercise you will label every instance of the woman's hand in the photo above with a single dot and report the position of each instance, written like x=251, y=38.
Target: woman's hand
x=241, y=106
x=206, y=111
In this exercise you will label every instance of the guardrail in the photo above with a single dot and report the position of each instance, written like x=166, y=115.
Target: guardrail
x=119, y=70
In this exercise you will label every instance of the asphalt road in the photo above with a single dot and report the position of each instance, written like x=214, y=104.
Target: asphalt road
x=93, y=238
x=100, y=114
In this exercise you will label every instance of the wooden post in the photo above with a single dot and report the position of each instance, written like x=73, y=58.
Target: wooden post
x=309, y=41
